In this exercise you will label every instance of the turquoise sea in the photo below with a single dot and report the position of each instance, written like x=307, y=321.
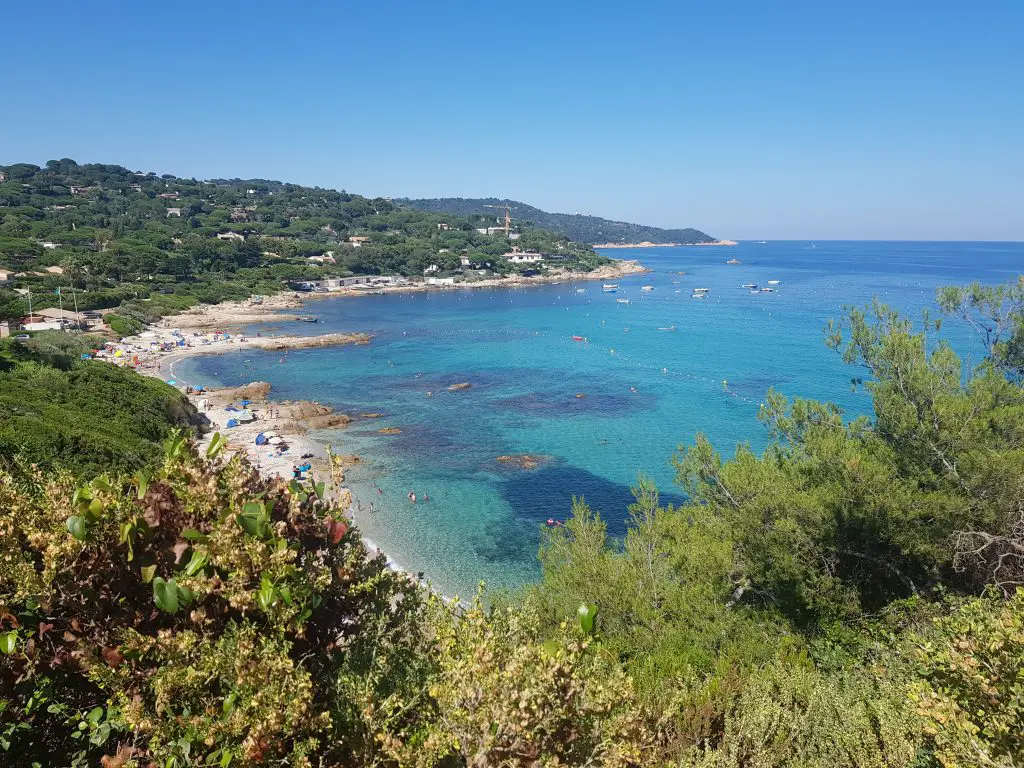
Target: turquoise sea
x=647, y=390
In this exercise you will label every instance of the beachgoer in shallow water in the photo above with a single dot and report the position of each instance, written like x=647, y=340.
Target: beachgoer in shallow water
x=426, y=497
x=412, y=497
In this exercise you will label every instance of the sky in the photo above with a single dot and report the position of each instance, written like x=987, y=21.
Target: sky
x=748, y=120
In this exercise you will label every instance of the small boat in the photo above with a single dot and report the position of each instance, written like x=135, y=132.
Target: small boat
x=701, y=290
x=577, y=338
x=749, y=285
x=667, y=328
x=699, y=296
x=767, y=290
x=647, y=288
x=762, y=242
x=622, y=301
x=581, y=290
x=610, y=287
x=774, y=282
x=308, y=319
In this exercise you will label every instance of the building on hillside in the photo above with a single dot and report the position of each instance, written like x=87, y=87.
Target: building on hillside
x=440, y=281
x=69, y=318
x=464, y=261
x=39, y=323
x=5, y=275
x=431, y=269
x=357, y=240
x=523, y=257
x=173, y=212
x=48, y=245
x=168, y=195
x=230, y=236
x=444, y=226
x=491, y=230
x=324, y=258
x=3, y=177
x=55, y=270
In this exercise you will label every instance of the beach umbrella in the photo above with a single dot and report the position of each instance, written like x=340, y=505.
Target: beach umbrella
x=261, y=439
x=245, y=417
x=232, y=423
x=245, y=402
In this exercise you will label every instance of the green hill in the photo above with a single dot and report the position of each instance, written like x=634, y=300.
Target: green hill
x=575, y=226
x=161, y=243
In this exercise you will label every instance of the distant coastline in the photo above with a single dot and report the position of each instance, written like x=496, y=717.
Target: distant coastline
x=648, y=244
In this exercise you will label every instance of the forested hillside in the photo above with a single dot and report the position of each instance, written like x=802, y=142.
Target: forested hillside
x=577, y=227
x=160, y=243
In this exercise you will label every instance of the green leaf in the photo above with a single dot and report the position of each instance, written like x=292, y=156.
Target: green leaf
x=8, y=642
x=148, y=571
x=95, y=715
x=251, y=523
x=217, y=443
x=320, y=489
x=265, y=597
x=165, y=594
x=225, y=758
x=193, y=535
x=587, y=614
x=101, y=483
x=142, y=483
x=100, y=735
x=229, y=703
x=77, y=527
x=95, y=508
x=127, y=536
x=185, y=596
x=200, y=558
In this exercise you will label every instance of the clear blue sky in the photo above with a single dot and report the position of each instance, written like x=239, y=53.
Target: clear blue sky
x=896, y=119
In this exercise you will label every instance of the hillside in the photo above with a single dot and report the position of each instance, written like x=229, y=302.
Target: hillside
x=160, y=243
x=577, y=227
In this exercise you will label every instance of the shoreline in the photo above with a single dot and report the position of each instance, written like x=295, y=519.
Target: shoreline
x=269, y=308
x=649, y=244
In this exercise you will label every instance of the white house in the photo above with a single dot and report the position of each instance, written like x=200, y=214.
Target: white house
x=230, y=236
x=5, y=275
x=431, y=269
x=440, y=281
x=48, y=245
x=173, y=212
x=524, y=257
x=357, y=240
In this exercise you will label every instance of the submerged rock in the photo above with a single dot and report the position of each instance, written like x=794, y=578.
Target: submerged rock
x=523, y=460
x=390, y=431
x=457, y=387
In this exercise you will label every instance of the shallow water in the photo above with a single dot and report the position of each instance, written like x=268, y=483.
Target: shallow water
x=646, y=390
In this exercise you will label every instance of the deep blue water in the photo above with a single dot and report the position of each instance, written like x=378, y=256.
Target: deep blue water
x=646, y=390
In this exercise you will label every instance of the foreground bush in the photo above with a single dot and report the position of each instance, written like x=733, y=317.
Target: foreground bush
x=193, y=617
